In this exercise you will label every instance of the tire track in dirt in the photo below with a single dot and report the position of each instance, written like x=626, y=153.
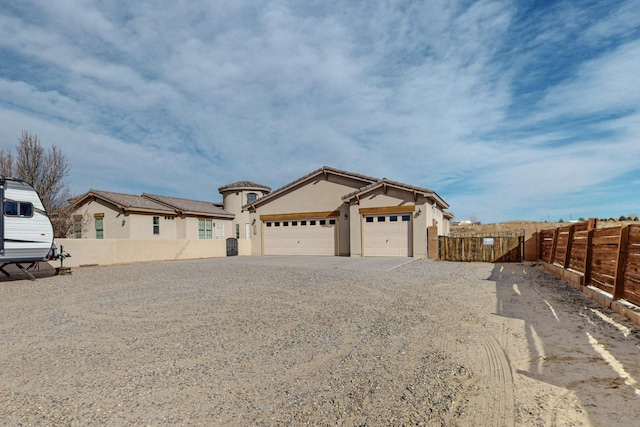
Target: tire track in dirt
x=491, y=397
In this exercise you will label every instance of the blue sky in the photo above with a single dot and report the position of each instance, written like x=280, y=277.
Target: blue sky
x=507, y=109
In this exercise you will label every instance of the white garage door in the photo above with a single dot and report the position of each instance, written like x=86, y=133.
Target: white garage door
x=387, y=235
x=301, y=237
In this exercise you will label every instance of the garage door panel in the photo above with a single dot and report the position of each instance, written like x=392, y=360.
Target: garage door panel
x=387, y=235
x=301, y=237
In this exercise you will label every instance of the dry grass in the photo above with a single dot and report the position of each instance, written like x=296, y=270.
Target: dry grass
x=526, y=225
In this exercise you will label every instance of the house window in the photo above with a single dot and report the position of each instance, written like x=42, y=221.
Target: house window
x=251, y=197
x=99, y=228
x=237, y=231
x=406, y=217
x=332, y=221
x=323, y=222
x=23, y=209
x=393, y=218
x=381, y=218
x=294, y=223
x=156, y=225
x=312, y=222
x=303, y=222
x=205, y=229
x=268, y=224
x=369, y=219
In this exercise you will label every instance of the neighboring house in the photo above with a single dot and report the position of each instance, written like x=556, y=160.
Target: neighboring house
x=335, y=212
x=107, y=215
x=327, y=212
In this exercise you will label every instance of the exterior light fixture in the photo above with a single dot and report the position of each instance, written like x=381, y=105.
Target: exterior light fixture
x=419, y=211
x=253, y=222
x=345, y=216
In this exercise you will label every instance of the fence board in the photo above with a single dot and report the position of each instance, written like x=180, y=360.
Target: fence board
x=631, y=286
x=504, y=249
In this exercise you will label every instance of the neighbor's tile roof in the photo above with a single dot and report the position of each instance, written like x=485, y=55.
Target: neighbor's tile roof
x=188, y=205
x=127, y=201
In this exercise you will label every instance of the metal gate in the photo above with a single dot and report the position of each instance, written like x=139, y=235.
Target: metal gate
x=232, y=246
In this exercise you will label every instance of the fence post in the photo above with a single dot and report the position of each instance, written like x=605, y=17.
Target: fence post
x=554, y=244
x=567, y=255
x=589, y=251
x=618, y=283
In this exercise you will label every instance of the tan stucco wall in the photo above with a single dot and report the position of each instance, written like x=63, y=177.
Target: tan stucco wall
x=233, y=202
x=140, y=226
x=319, y=195
x=122, y=251
x=112, y=222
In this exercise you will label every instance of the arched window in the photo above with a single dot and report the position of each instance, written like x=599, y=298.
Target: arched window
x=251, y=197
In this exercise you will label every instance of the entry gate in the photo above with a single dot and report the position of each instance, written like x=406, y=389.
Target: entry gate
x=232, y=246
x=482, y=248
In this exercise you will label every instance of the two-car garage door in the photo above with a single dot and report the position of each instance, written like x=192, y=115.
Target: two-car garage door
x=383, y=234
x=301, y=237
x=387, y=235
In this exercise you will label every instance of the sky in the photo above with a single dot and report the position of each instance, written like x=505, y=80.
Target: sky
x=509, y=110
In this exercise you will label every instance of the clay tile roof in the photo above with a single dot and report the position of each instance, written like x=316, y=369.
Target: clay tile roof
x=129, y=201
x=188, y=205
x=243, y=184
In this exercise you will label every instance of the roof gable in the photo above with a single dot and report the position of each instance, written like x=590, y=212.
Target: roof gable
x=386, y=183
x=323, y=171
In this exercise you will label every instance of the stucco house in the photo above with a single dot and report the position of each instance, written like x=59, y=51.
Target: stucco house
x=107, y=215
x=341, y=213
x=326, y=212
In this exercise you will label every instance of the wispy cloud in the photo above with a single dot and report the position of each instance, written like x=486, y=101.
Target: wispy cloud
x=506, y=109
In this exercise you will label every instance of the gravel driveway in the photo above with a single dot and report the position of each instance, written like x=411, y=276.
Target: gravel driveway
x=227, y=342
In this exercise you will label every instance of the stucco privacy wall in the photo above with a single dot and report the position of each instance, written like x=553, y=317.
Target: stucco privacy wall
x=320, y=195
x=123, y=251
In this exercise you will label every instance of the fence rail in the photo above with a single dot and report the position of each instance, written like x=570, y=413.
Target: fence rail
x=608, y=258
x=482, y=249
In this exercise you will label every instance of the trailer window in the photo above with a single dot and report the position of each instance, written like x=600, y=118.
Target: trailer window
x=23, y=209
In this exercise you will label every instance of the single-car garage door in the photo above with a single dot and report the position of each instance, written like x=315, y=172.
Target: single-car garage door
x=301, y=237
x=387, y=235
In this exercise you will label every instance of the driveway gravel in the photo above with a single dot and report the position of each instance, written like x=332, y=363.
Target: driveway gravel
x=249, y=342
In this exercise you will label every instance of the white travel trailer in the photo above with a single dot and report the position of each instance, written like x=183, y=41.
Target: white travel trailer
x=26, y=234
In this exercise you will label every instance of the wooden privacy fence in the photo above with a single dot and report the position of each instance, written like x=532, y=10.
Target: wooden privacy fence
x=608, y=258
x=483, y=249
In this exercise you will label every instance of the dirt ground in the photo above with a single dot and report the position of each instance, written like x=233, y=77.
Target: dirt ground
x=212, y=342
